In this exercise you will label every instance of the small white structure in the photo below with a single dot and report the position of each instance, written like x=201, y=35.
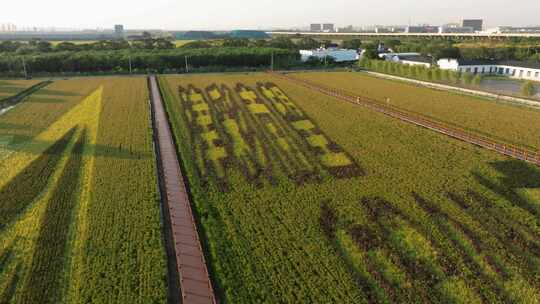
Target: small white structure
x=407, y=58
x=390, y=56
x=513, y=69
x=417, y=60
x=339, y=55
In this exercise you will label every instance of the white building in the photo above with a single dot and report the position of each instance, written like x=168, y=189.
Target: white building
x=390, y=56
x=513, y=69
x=417, y=60
x=339, y=55
x=408, y=58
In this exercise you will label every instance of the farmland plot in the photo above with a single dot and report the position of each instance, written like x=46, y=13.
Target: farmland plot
x=9, y=88
x=59, y=161
x=510, y=123
x=304, y=198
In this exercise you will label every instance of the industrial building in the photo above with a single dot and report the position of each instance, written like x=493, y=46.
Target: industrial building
x=512, y=69
x=328, y=27
x=408, y=58
x=339, y=55
x=8, y=28
x=119, y=31
x=422, y=29
x=476, y=24
x=315, y=27
x=455, y=29
x=515, y=30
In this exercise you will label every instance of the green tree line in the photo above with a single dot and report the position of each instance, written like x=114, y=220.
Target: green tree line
x=173, y=60
x=419, y=72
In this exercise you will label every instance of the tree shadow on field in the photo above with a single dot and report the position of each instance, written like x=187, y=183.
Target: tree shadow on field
x=516, y=175
x=12, y=126
x=6, y=295
x=27, y=144
x=10, y=89
x=23, y=189
x=39, y=99
x=56, y=93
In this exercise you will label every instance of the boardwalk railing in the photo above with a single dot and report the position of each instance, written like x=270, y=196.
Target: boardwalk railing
x=419, y=120
x=195, y=281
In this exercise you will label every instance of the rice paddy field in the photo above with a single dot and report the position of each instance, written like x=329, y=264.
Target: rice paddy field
x=299, y=197
x=303, y=198
x=507, y=122
x=9, y=88
x=79, y=205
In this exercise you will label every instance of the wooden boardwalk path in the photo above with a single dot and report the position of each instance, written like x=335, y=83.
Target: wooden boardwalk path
x=520, y=153
x=195, y=284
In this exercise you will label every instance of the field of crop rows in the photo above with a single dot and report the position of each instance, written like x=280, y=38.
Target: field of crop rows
x=79, y=211
x=12, y=87
x=305, y=198
x=514, y=124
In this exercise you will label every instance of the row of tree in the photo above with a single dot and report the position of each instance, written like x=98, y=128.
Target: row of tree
x=528, y=88
x=420, y=72
x=145, y=60
x=40, y=46
x=147, y=42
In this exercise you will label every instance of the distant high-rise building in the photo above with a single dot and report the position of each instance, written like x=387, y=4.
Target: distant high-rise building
x=347, y=29
x=8, y=27
x=422, y=29
x=316, y=27
x=119, y=30
x=328, y=27
x=476, y=24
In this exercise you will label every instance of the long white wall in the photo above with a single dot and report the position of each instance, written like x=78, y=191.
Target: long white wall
x=495, y=69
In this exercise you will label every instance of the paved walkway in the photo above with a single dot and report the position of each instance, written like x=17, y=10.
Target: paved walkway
x=195, y=282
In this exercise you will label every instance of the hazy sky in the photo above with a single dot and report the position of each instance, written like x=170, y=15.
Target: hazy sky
x=229, y=14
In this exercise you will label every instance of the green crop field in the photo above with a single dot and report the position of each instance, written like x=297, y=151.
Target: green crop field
x=303, y=198
x=510, y=123
x=10, y=88
x=79, y=208
x=300, y=197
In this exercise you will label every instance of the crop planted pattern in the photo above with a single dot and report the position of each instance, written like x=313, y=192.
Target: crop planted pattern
x=303, y=198
x=253, y=129
x=59, y=191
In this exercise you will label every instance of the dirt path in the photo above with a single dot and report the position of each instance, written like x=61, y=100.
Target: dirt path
x=193, y=275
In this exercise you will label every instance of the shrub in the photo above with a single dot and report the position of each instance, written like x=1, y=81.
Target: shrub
x=477, y=80
x=466, y=78
x=528, y=89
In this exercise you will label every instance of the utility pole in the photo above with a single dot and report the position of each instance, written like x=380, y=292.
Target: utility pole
x=187, y=66
x=24, y=68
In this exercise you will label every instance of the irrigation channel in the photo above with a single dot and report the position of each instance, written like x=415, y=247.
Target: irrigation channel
x=195, y=284
x=455, y=132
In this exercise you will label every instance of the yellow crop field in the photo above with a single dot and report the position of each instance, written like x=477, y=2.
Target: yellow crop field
x=71, y=166
x=9, y=88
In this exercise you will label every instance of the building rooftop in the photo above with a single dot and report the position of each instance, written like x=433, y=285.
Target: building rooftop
x=416, y=58
x=513, y=63
x=476, y=62
x=521, y=64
